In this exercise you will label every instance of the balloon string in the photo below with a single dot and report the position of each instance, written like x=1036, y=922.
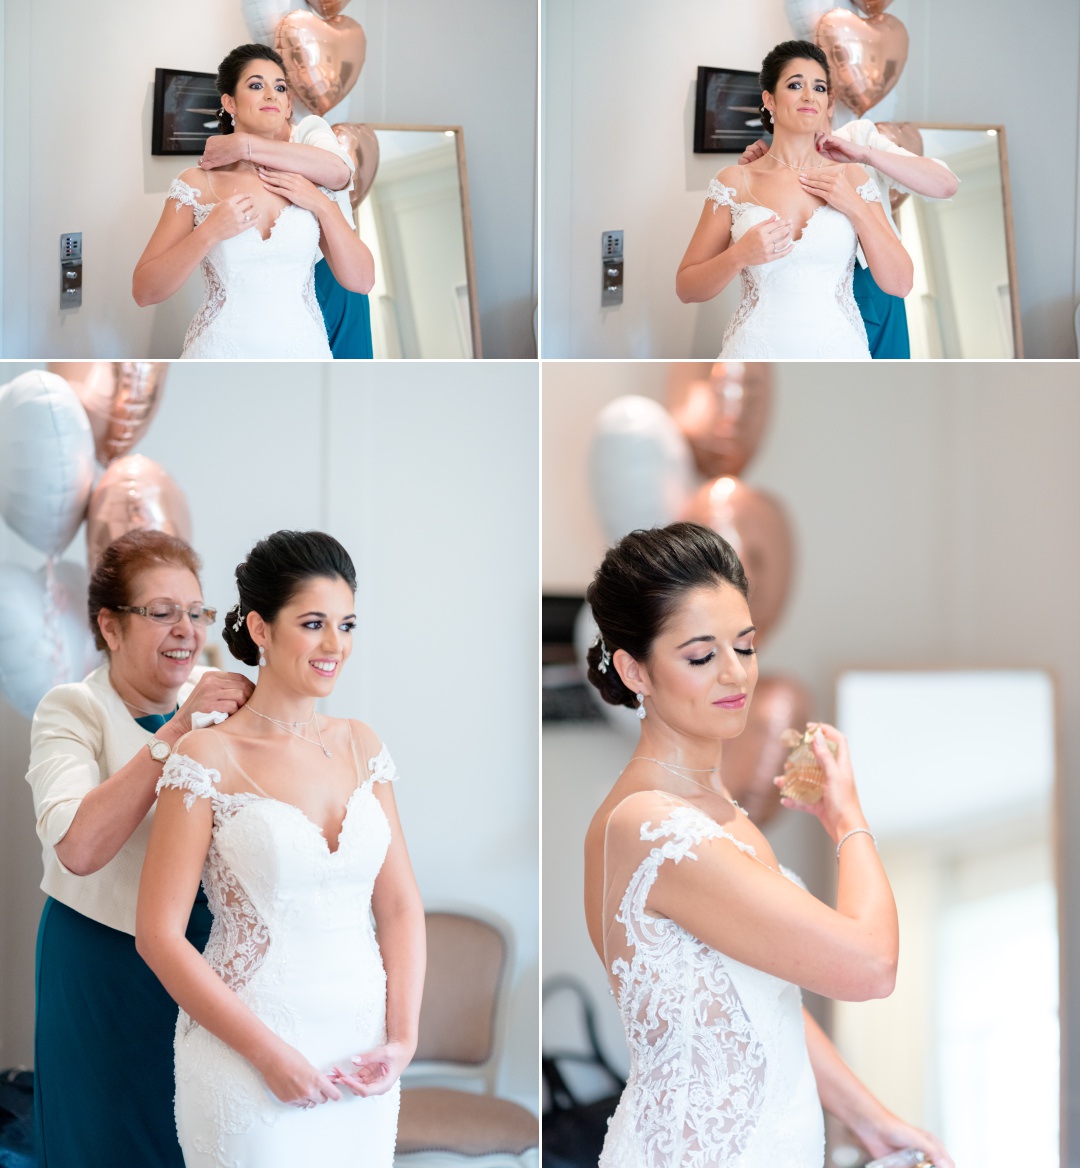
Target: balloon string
x=53, y=605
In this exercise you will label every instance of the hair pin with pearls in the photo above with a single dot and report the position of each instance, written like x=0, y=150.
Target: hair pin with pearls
x=605, y=656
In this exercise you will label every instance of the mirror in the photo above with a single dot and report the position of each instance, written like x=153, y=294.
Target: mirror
x=415, y=219
x=957, y=775
x=964, y=302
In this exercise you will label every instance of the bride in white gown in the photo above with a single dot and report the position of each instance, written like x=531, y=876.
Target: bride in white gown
x=296, y=1022
x=255, y=232
x=788, y=225
x=705, y=938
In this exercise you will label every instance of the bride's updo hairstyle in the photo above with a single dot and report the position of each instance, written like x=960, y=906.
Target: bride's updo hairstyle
x=228, y=75
x=275, y=570
x=774, y=63
x=639, y=585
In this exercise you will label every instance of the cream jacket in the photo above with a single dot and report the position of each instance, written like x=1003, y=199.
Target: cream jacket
x=81, y=734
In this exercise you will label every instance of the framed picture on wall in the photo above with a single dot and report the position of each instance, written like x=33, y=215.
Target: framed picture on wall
x=185, y=111
x=726, y=113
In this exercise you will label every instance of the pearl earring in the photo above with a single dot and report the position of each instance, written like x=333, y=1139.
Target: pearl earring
x=640, y=711
x=262, y=656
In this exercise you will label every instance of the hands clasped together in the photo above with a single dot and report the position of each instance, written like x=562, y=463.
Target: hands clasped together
x=293, y=1080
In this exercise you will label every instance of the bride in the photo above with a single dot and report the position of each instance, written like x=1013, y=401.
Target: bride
x=288, y=816
x=789, y=225
x=256, y=233
x=705, y=938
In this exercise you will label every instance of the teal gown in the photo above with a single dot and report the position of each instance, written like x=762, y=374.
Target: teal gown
x=885, y=317
x=103, y=1042
x=347, y=316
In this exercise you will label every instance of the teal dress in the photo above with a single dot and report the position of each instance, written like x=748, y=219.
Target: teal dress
x=885, y=317
x=347, y=316
x=103, y=1042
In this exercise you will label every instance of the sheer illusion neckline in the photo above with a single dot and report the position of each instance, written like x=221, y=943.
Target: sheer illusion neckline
x=208, y=207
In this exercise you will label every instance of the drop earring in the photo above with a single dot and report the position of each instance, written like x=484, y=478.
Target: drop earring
x=262, y=656
x=640, y=711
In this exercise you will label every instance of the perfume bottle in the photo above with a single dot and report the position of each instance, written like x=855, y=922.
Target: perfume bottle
x=804, y=780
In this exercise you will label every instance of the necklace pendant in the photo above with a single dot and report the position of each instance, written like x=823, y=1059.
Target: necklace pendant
x=326, y=752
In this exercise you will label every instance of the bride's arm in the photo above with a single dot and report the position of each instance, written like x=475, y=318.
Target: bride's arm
x=851, y=1101
x=712, y=261
x=179, y=841
x=177, y=246
x=348, y=256
x=761, y=918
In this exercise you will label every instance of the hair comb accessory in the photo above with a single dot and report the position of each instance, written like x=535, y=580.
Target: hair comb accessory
x=804, y=780
x=239, y=620
x=605, y=656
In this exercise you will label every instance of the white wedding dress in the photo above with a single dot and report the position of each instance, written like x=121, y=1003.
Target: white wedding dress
x=801, y=305
x=259, y=299
x=292, y=936
x=719, y=1071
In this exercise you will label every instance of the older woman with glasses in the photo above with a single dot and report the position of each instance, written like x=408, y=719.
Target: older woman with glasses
x=104, y=1025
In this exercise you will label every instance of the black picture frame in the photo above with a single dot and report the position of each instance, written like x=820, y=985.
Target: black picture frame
x=185, y=111
x=727, y=114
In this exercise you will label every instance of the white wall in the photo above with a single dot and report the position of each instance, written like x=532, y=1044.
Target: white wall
x=618, y=110
x=412, y=466
x=936, y=523
x=77, y=152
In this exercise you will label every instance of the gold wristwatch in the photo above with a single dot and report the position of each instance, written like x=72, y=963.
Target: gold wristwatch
x=159, y=751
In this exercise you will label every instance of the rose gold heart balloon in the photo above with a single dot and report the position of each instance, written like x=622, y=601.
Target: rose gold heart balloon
x=904, y=134
x=120, y=399
x=134, y=493
x=866, y=57
x=756, y=756
x=362, y=143
x=323, y=58
x=328, y=8
x=870, y=7
x=723, y=416
x=757, y=528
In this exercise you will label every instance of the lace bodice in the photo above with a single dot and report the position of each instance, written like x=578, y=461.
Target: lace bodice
x=259, y=294
x=293, y=937
x=801, y=305
x=720, y=1076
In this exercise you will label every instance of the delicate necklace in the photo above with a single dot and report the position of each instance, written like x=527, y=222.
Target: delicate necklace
x=149, y=713
x=675, y=769
x=800, y=169
x=291, y=728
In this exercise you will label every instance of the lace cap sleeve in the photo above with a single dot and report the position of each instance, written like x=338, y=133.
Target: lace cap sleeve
x=382, y=767
x=191, y=777
x=869, y=192
x=185, y=196
x=683, y=830
x=720, y=195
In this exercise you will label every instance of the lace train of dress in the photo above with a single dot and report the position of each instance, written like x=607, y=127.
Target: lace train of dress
x=720, y=1076
x=292, y=936
x=801, y=305
x=259, y=299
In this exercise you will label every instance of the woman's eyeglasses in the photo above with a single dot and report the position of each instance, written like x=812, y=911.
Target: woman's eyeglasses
x=167, y=613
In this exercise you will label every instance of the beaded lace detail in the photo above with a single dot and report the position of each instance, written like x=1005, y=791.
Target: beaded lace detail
x=800, y=305
x=717, y=1078
x=289, y=915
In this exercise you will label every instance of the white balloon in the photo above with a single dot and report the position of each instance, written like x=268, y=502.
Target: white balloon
x=641, y=468
x=262, y=17
x=621, y=717
x=45, y=639
x=46, y=460
x=803, y=15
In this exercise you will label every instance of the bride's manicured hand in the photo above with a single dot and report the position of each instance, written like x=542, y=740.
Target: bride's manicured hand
x=215, y=690
x=840, y=149
x=886, y=1133
x=765, y=242
x=838, y=808
x=293, y=187
x=292, y=1079
x=375, y=1071
x=223, y=149
x=832, y=186
x=230, y=217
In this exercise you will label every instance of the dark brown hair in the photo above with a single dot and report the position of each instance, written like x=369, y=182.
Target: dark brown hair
x=228, y=74
x=112, y=582
x=639, y=585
